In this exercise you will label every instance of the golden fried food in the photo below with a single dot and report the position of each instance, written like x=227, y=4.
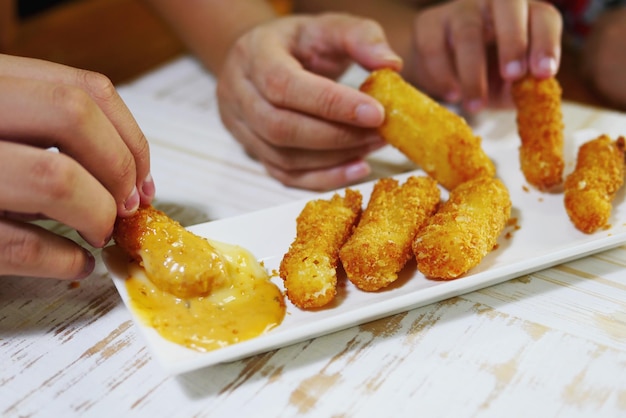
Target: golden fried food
x=175, y=260
x=381, y=243
x=591, y=187
x=249, y=306
x=464, y=229
x=438, y=140
x=309, y=268
x=540, y=127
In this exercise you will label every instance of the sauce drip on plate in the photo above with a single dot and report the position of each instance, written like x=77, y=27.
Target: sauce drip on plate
x=244, y=307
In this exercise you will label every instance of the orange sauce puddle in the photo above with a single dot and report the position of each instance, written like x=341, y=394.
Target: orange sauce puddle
x=246, y=306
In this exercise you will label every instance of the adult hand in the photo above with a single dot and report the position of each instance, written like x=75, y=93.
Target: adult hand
x=69, y=151
x=453, y=42
x=278, y=96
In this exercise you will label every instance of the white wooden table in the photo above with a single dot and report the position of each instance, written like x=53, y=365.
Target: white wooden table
x=552, y=343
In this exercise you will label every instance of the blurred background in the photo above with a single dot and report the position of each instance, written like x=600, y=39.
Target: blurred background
x=124, y=39
x=120, y=38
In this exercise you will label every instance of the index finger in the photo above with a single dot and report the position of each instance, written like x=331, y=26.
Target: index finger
x=286, y=84
x=104, y=94
x=57, y=115
x=546, y=27
x=510, y=23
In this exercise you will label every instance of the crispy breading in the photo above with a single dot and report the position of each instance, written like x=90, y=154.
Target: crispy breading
x=591, y=187
x=464, y=229
x=435, y=138
x=174, y=259
x=540, y=127
x=381, y=243
x=309, y=268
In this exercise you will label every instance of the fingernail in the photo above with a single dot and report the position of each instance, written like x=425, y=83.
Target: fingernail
x=357, y=170
x=452, y=96
x=474, y=105
x=548, y=64
x=370, y=115
x=88, y=267
x=514, y=69
x=148, y=189
x=132, y=202
x=383, y=52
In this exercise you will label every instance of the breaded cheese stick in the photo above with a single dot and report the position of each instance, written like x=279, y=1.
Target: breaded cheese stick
x=591, y=187
x=174, y=259
x=433, y=137
x=540, y=127
x=464, y=230
x=381, y=243
x=309, y=268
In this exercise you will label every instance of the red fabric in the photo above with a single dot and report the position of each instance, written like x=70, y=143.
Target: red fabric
x=574, y=15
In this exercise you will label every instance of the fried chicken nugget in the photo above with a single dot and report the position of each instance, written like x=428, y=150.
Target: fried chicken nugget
x=309, y=268
x=464, y=229
x=591, y=187
x=540, y=127
x=433, y=137
x=174, y=259
x=381, y=243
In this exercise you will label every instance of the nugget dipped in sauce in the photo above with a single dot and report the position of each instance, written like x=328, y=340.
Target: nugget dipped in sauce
x=591, y=187
x=309, y=268
x=175, y=260
x=381, y=243
x=435, y=138
x=540, y=127
x=464, y=230
x=199, y=293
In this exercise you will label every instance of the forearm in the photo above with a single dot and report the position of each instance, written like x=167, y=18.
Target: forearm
x=210, y=27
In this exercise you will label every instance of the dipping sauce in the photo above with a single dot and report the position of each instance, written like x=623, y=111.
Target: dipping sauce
x=244, y=307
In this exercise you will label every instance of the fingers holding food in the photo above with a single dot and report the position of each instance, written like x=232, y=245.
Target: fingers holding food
x=381, y=243
x=591, y=187
x=309, y=268
x=174, y=259
x=464, y=229
x=540, y=127
x=438, y=140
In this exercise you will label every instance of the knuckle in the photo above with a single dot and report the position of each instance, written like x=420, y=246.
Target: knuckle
x=467, y=32
x=282, y=158
x=369, y=26
x=99, y=85
x=287, y=163
x=545, y=7
x=19, y=249
x=327, y=101
x=426, y=47
x=277, y=131
x=123, y=171
x=74, y=103
x=276, y=85
x=142, y=147
x=54, y=177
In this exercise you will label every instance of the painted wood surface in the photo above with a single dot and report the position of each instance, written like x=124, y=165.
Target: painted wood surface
x=547, y=344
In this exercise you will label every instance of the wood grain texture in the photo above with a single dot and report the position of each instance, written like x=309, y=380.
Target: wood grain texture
x=551, y=343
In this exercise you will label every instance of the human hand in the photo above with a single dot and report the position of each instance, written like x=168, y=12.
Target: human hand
x=470, y=51
x=278, y=96
x=69, y=151
x=604, y=58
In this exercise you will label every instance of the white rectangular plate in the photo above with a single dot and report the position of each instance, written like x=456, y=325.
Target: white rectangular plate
x=545, y=238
